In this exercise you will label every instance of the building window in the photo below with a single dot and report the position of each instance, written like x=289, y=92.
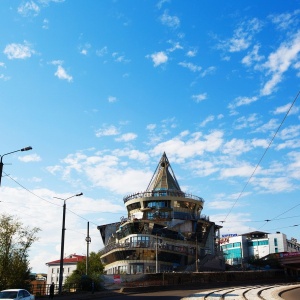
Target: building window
x=276, y=250
x=57, y=271
x=275, y=242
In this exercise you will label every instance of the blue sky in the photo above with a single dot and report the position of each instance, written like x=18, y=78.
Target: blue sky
x=100, y=89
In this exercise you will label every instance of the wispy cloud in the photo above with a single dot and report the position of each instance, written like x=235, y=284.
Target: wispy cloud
x=192, y=67
x=18, y=51
x=242, y=36
x=29, y=8
x=107, y=131
x=30, y=158
x=112, y=99
x=279, y=62
x=286, y=21
x=252, y=56
x=200, y=97
x=170, y=21
x=127, y=137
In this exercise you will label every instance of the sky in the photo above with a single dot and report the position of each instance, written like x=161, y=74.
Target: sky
x=101, y=89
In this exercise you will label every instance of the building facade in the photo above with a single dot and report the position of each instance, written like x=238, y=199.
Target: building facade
x=69, y=263
x=238, y=249
x=164, y=231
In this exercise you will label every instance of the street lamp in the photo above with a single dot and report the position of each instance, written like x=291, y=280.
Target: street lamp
x=61, y=266
x=88, y=240
x=156, y=250
x=1, y=163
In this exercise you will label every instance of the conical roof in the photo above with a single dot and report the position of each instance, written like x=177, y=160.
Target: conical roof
x=163, y=177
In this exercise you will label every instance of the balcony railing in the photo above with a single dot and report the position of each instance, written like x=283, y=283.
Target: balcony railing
x=188, y=249
x=162, y=193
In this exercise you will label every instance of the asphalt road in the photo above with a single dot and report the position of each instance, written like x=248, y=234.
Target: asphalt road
x=291, y=295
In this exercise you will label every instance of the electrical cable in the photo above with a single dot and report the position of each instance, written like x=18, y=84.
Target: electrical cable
x=265, y=152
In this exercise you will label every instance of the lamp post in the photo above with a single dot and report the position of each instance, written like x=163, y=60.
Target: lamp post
x=61, y=266
x=88, y=240
x=1, y=163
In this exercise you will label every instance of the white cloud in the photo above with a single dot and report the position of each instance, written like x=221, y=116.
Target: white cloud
x=286, y=21
x=236, y=147
x=170, y=21
x=102, y=51
x=240, y=101
x=127, y=137
x=243, y=170
x=203, y=168
x=252, y=56
x=279, y=62
x=269, y=126
x=200, y=97
x=161, y=2
x=284, y=109
x=191, y=53
x=29, y=158
x=107, y=131
x=207, y=120
x=18, y=51
x=175, y=46
x=61, y=73
x=195, y=144
x=45, y=24
x=242, y=36
x=159, y=58
x=29, y=8
x=273, y=185
x=244, y=122
x=151, y=126
x=290, y=132
x=112, y=99
x=190, y=66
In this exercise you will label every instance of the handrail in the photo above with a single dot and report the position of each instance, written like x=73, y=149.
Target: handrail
x=188, y=250
x=162, y=193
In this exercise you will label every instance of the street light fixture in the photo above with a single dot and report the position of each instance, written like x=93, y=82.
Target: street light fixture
x=61, y=266
x=1, y=163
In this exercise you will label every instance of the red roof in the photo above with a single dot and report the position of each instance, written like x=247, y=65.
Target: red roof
x=71, y=259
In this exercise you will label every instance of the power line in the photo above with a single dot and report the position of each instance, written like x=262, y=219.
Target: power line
x=269, y=145
x=29, y=191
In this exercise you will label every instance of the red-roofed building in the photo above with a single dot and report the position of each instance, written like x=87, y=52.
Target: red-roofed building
x=70, y=263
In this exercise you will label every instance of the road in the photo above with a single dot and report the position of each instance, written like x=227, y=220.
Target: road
x=174, y=294
x=291, y=295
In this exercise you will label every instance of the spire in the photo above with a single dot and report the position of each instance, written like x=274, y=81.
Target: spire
x=163, y=177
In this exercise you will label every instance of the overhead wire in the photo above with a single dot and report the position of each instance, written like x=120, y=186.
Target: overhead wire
x=41, y=198
x=260, y=160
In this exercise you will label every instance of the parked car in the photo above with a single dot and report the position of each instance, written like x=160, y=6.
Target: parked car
x=16, y=294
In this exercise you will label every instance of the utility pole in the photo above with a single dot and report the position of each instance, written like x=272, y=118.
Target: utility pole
x=88, y=240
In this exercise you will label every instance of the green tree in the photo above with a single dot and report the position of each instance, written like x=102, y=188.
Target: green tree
x=15, y=242
x=83, y=280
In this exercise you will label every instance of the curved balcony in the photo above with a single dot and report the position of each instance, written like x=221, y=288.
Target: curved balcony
x=162, y=193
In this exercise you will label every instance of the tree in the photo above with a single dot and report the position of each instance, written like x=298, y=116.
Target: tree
x=79, y=276
x=15, y=242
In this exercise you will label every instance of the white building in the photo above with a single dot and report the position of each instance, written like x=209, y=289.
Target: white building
x=70, y=264
x=238, y=248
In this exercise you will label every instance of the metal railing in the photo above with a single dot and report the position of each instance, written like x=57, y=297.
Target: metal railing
x=162, y=193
